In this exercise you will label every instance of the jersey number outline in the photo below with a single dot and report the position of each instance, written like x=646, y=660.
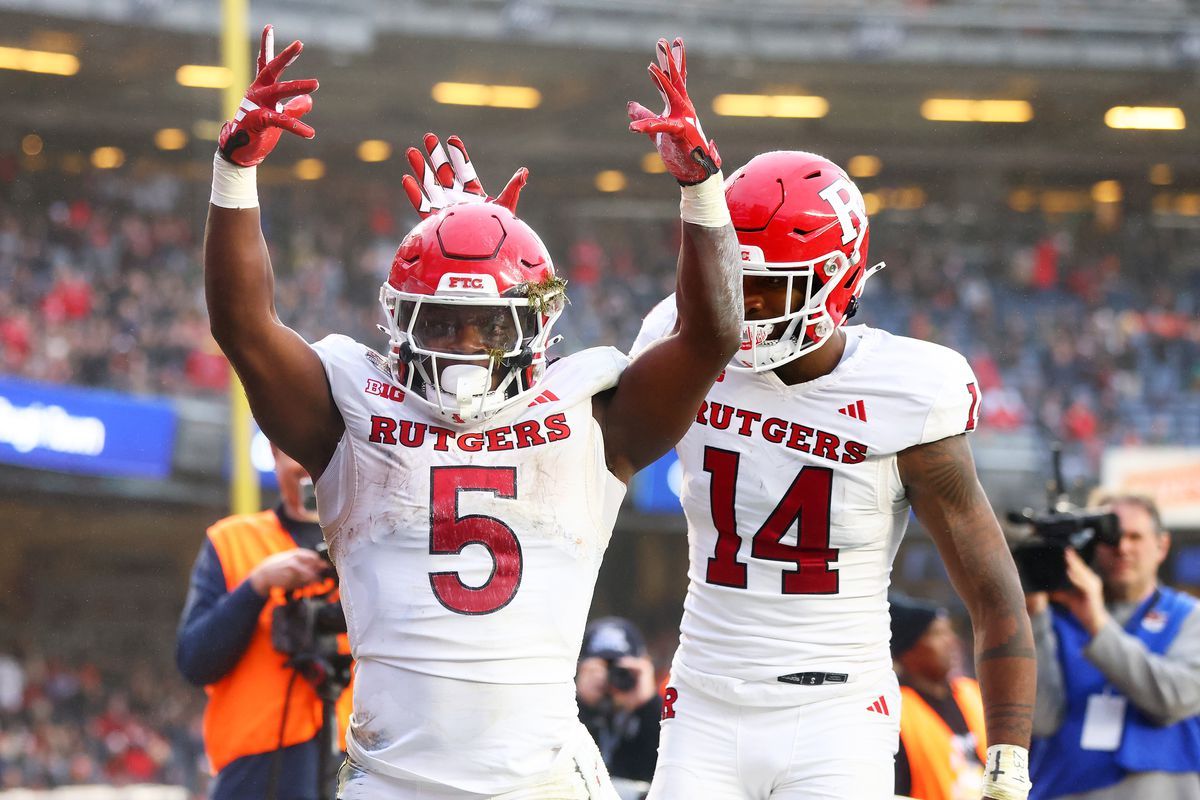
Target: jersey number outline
x=449, y=533
x=973, y=411
x=806, y=504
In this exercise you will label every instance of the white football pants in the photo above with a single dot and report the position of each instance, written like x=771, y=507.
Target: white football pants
x=582, y=776
x=839, y=748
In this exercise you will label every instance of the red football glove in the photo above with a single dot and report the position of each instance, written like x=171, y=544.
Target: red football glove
x=444, y=181
x=688, y=154
x=252, y=133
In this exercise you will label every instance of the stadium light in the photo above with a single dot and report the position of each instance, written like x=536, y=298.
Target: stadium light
x=1145, y=118
x=955, y=109
x=1107, y=191
x=170, y=139
x=611, y=180
x=653, y=164
x=1022, y=199
x=483, y=94
x=40, y=61
x=31, y=145
x=1160, y=175
x=203, y=76
x=309, y=169
x=108, y=157
x=787, y=106
x=374, y=150
x=864, y=166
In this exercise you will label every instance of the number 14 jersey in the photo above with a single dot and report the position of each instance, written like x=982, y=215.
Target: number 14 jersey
x=795, y=510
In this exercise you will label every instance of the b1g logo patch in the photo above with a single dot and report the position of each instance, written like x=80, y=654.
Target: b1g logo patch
x=381, y=389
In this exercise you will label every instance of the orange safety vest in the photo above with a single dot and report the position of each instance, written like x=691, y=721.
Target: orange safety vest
x=928, y=740
x=245, y=708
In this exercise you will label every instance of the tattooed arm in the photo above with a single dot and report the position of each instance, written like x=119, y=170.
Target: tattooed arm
x=945, y=494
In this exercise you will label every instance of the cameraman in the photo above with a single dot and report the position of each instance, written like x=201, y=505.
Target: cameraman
x=262, y=720
x=1118, y=673
x=618, y=699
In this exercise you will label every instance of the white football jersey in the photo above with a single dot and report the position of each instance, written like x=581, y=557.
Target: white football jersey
x=795, y=510
x=467, y=557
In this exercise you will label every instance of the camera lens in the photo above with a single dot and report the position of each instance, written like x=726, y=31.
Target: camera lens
x=620, y=678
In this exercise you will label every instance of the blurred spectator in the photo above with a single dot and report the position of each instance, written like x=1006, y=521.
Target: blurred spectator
x=942, y=738
x=262, y=725
x=618, y=700
x=1118, y=701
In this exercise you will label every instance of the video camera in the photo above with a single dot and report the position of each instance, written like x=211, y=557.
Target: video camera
x=306, y=627
x=1040, y=557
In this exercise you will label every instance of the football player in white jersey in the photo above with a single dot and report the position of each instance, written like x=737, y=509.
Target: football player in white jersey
x=798, y=476
x=467, y=486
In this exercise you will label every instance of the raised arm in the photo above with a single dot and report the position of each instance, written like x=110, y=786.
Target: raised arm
x=659, y=393
x=948, y=500
x=283, y=376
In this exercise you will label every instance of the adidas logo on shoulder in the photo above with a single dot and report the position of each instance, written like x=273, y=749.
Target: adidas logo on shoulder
x=545, y=397
x=856, y=410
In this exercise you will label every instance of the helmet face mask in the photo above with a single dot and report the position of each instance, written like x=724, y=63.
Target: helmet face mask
x=798, y=216
x=471, y=303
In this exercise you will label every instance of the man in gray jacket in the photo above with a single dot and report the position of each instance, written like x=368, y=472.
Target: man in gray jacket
x=1118, y=673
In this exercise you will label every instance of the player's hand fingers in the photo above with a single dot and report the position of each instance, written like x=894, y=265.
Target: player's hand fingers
x=279, y=63
x=512, y=190
x=670, y=94
x=266, y=48
x=423, y=172
x=276, y=92
x=637, y=111
x=464, y=170
x=442, y=169
x=298, y=106
x=668, y=62
x=680, y=58
x=275, y=119
x=656, y=125
x=420, y=202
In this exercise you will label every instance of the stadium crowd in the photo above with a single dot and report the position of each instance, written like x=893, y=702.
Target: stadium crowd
x=65, y=723
x=1088, y=332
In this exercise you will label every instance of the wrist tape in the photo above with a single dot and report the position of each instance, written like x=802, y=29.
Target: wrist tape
x=1006, y=773
x=233, y=186
x=704, y=203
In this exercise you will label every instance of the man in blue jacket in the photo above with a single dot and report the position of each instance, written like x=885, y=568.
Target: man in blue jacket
x=1118, y=694
x=262, y=721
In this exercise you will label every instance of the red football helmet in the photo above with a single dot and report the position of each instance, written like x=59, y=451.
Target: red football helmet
x=470, y=302
x=799, y=216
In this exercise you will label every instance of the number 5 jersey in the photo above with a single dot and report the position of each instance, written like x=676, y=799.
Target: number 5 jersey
x=467, y=556
x=795, y=511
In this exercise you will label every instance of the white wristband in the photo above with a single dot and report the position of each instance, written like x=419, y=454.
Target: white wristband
x=233, y=186
x=704, y=203
x=1006, y=773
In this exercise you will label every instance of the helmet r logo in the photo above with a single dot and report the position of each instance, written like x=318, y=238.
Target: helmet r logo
x=843, y=197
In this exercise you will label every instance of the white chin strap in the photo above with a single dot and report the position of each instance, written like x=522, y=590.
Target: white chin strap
x=466, y=385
